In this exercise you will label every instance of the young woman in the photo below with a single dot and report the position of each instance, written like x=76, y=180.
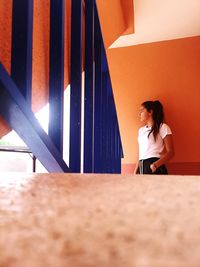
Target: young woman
x=155, y=140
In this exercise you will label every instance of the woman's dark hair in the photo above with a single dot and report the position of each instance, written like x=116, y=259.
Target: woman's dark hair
x=157, y=115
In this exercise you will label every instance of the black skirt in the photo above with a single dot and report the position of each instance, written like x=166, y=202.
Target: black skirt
x=144, y=167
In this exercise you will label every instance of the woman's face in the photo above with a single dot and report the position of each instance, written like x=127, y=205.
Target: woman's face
x=144, y=114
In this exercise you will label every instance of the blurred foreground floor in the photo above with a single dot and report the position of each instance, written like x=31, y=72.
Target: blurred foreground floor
x=70, y=220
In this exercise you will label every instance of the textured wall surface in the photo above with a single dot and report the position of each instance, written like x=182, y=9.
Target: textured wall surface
x=99, y=220
x=40, y=53
x=5, y=45
x=5, y=32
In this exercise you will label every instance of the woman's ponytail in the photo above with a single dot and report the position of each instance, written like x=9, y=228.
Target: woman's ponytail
x=157, y=114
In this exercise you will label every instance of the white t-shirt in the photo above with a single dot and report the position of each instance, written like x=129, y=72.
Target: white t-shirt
x=148, y=147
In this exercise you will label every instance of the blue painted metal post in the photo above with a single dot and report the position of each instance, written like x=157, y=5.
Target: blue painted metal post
x=107, y=141
x=109, y=131
x=113, y=141
x=115, y=144
x=89, y=88
x=120, y=153
x=98, y=97
x=76, y=83
x=117, y=154
x=56, y=83
x=21, y=58
x=18, y=114
x=107, y=109
x=105, y=122
x=112, y=124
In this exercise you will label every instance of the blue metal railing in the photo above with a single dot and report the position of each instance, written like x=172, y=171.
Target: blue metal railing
x=102, y=141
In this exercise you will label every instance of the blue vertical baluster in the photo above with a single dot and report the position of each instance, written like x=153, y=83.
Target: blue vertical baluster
x=115, y=150
x=105, y=121
x=56, y=79
x=121, y=155
x=112, y=124
x=107, y=141
x=76, y=82
x=21, y=58
x=118, y=151
x=98, y=97
x=109, y=131
x=89, y=88
x=112, y=145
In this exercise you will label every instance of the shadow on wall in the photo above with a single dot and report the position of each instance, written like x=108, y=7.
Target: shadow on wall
x=184, y=168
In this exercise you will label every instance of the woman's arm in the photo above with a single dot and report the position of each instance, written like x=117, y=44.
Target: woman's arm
x=169, y=153
x=136, y=168
x=137, y=163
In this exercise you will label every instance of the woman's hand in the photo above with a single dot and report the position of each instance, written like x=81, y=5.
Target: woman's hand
x=153, y=167
x=167, y=153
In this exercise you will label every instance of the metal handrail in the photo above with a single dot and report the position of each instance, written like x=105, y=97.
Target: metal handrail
x=20, y=149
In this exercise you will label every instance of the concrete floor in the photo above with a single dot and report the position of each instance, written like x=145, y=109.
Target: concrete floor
x=63, y=220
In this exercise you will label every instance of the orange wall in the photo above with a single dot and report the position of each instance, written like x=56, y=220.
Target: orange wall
x=168, y=71
x=128, y=12
x=41, y=50
x=40, y=72
x=5, y=45
x=116, y=17
x=5, y=32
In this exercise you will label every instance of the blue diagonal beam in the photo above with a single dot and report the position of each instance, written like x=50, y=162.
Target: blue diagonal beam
x=19, y=116
x=21, y=57
x=56, y=83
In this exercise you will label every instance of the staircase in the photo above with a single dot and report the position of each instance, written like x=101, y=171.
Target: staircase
x=102, y=142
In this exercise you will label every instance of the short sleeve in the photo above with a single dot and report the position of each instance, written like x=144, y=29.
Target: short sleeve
x=165, y=130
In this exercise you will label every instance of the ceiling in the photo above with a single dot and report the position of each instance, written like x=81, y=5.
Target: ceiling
x=159, y=20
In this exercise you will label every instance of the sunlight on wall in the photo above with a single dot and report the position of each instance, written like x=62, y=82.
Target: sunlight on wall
x=12, y=138
x=66, y=125
x=43, y=117
x=13, y=161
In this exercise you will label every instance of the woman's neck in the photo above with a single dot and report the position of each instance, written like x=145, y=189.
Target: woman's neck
x=149, y=122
